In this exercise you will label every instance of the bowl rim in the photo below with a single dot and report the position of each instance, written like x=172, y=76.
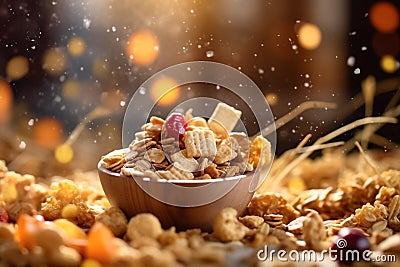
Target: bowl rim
x=151, y=180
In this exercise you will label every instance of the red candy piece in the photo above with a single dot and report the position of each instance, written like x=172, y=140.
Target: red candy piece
x=175, y=125
x=350, y=245
x=3, y=215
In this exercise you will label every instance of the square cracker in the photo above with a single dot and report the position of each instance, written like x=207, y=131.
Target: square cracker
x=224, y=119
x=200, y=143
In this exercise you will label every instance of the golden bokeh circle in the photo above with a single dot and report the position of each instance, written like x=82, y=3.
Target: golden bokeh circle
x=17, y=67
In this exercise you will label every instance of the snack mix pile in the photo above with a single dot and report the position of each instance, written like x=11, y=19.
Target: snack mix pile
x=67, y=221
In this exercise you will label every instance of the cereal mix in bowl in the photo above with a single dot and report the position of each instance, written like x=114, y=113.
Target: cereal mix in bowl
x=184, y=147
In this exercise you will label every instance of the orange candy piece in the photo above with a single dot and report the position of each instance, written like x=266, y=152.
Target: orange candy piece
x=27, y=225
x=100, y=245
x=70, y=229
x=76, y=238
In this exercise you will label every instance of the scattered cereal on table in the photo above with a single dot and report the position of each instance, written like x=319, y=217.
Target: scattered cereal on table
x=54, y=223
x=114, y=219
x=144, y=224
x=227, y=227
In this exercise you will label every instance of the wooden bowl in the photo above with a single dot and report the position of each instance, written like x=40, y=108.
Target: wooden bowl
x=185, y=204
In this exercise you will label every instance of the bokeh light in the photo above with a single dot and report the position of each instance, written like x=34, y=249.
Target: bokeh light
x=17, y=67
x=272, y=99
x=64, y=153
x=76, y=46
x=309, y=36
x=71, y=89
x=112, y=99
x=6, y=101
x=143, y=48
x=54, y=61
x=160, y=91
x=100, y=68
x=389, y=64
x=384, y=16
x=48, y=132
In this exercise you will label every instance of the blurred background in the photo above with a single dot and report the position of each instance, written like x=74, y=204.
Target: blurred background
x=69, y=68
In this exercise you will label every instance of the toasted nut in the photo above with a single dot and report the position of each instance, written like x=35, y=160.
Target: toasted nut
x=156, y=120
x=155, y=155
x=197, y=122
x=227, y=227
x=144, y=224
x=114, y=219
x=252, y=221
x=212, y=171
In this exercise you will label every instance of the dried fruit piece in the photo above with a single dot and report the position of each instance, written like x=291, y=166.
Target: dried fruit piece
x=350, y=239
x=27, y=226
x=175, y=125
x=100, y=245
x=70, y=229
x=3, y=215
